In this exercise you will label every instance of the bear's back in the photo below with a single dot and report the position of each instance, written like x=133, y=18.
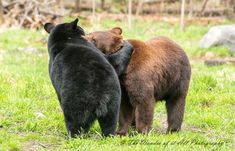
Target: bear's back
x=167, y=47
x=171, y=55
x=85, y=74
x=140, y=56
x=159, y=51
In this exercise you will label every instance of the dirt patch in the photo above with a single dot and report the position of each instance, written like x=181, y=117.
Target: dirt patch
x=162, y=119
x=35, y=145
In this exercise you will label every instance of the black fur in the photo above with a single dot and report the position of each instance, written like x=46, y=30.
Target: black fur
x=121, y=58
x=86, y=84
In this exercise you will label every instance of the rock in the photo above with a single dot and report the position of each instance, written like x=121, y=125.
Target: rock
x=214, y=62
x=220, y=35
x=209, y=55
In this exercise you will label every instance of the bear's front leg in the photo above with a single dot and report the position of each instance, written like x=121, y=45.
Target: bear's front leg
x=126, y=113
x=126, y=117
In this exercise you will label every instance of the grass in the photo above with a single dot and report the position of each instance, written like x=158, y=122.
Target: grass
x=31, y=118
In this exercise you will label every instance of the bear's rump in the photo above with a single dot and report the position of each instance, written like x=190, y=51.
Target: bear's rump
x=157, y=78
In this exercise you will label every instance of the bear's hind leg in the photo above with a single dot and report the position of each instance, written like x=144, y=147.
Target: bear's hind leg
x=76, y=123
x=88, y=123
x=108, y=123
x=126, y=114
x=144, y=115
x=73, y=128
x=175, y=113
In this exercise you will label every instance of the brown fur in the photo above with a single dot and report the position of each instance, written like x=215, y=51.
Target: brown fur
x=158, y=70
x=113, y=41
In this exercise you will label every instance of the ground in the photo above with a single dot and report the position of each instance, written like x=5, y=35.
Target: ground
x=31, y=118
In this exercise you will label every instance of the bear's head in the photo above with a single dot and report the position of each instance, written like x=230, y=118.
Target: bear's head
x=108, y=42
x=64, y=31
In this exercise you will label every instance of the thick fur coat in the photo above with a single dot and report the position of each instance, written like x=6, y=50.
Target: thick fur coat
x=86, y=84
x=158, y=70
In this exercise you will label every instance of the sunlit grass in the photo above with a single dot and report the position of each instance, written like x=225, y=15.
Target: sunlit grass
x=31, y=118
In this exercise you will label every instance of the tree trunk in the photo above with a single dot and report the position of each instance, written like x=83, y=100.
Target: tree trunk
x=203, y=7
x=103, y=4
x=182, y=15
x=190, y=14
x=62, y=7
x=77, y=5
x=231, y=10
x=162, y=6
x=93, y=12
x=139, y=7
x=1, y=13
x=129, y=13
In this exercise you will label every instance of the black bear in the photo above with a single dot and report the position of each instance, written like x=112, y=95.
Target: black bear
x=86, y=84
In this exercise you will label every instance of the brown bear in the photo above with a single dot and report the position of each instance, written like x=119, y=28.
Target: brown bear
x=158, y=69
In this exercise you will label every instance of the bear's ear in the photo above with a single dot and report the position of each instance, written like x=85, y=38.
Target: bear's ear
x=48, y=27
x=116, y=30
x=117, y=39
x=74, y=23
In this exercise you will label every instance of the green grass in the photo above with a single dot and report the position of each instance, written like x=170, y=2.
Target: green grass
x=31, y=118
